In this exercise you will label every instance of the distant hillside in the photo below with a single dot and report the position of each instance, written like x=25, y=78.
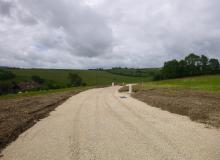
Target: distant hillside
x=134, y=72
x=90, y=77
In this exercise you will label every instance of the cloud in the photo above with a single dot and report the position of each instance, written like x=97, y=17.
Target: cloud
x=86, y=33
x=168, y=29
x=104, y=33
x=5, y=8
x=43, y=31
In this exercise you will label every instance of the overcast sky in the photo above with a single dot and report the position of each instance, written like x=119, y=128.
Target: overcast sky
x=106, y=33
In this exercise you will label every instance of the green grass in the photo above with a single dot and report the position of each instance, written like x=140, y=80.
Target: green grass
x=143, y=72
x=90, y=77
x=60, y=78
x=205, y=83
x=44, y=92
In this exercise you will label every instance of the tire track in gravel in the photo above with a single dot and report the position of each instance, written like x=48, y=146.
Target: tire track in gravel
x=74, y=139
x=143, y=120
x=136, y=131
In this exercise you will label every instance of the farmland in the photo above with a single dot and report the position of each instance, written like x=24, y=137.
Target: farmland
x=90, y=77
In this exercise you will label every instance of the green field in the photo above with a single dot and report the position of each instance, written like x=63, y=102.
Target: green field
x=90, y=77
x=206, y=83
x=134, y=72
x=44, y=92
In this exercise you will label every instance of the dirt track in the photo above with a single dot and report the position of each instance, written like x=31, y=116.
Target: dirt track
x=100, y=124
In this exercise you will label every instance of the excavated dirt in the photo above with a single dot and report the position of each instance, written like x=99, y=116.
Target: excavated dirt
x=199, y=106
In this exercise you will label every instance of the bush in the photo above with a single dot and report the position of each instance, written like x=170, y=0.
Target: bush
x=8, y=87
x=75, y=79
x=6, y=75
x=38, y=79
x=52, y=85
x=157, y=77
x=84, y=84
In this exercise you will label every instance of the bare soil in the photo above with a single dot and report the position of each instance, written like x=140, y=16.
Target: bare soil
x=198, y=105
x=17, y=115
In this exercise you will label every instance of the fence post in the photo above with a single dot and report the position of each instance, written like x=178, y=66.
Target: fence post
x=130, y=88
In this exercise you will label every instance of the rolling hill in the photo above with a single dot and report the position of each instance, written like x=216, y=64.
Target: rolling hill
x=90, y=77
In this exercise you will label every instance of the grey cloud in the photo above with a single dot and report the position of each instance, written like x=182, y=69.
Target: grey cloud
x=87, y=33
x=26, y=18
x=106, y=33
x=168, y=29
x=5, y=7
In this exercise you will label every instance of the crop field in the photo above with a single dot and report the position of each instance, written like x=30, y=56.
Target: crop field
x=90, y=77
x=134, y=72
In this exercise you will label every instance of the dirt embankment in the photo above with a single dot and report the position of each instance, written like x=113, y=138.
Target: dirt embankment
x=17, y=115
x=199, y=106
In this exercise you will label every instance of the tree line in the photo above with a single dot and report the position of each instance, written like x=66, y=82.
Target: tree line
x=5, y=75
x=191, y=65
x=133, y=72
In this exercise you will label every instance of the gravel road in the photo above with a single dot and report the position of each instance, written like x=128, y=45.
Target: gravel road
x=102, y=124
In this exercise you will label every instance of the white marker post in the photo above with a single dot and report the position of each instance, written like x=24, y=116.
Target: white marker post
x=130, y=88
x=113, y=84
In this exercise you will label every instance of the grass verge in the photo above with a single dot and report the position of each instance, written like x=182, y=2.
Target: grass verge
x=43, y=92
x=210, y=83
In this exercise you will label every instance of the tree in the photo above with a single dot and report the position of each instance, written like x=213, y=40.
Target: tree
x=170, y=69
x=5, y=87
x=138, y=73
x=182, y=68
x=214, y=65
x=190, y=66
x=192, y=62
x=158, y=76
x=8, y=87
x=15, y=87
x=75, y=79
x=192, y=59
x=37, y=79
x=204, y=64
x=6, y=75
